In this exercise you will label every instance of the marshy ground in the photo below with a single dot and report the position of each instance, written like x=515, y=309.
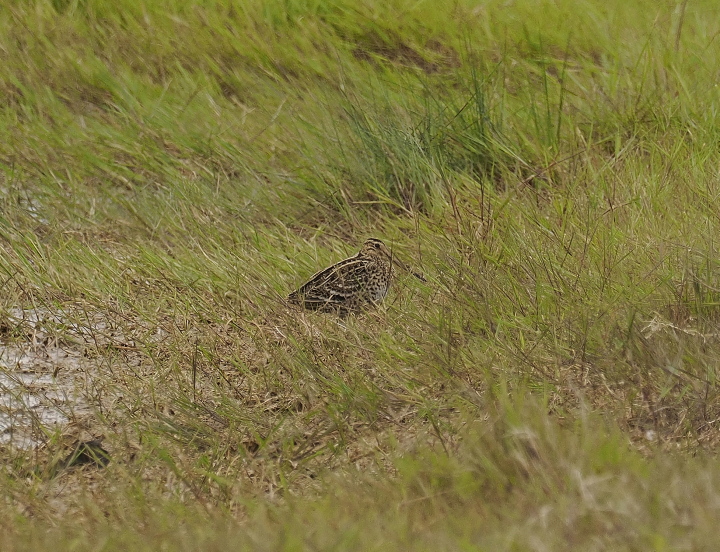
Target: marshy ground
x=172, y=170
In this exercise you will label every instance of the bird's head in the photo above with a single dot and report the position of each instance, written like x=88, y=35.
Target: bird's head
x=374, y=247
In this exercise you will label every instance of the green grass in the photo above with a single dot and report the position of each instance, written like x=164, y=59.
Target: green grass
x=171, y=170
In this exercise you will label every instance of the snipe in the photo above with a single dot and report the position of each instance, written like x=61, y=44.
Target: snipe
x=352, y=284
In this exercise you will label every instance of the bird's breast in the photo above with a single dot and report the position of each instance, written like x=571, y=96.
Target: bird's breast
x=377, y=292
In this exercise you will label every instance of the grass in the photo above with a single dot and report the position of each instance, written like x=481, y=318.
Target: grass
x=171, y=170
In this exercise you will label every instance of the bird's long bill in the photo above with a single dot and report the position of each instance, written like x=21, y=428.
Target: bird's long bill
x=408, y=269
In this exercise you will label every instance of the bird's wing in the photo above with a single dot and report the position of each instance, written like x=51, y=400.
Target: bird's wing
x=334, y=284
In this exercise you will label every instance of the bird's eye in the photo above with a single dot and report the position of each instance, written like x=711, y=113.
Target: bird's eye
x=377, y=245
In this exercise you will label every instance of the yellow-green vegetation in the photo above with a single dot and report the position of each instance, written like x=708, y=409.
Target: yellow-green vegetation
x=172, y=169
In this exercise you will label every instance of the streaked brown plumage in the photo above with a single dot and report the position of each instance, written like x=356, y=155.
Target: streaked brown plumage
x=351, y=285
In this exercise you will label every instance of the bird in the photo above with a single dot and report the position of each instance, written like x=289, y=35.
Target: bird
x=353, y=284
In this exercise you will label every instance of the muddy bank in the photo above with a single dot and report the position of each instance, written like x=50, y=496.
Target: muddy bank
x=45, y=379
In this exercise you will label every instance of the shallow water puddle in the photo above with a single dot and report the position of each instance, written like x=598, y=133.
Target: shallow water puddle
x=41, y=381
